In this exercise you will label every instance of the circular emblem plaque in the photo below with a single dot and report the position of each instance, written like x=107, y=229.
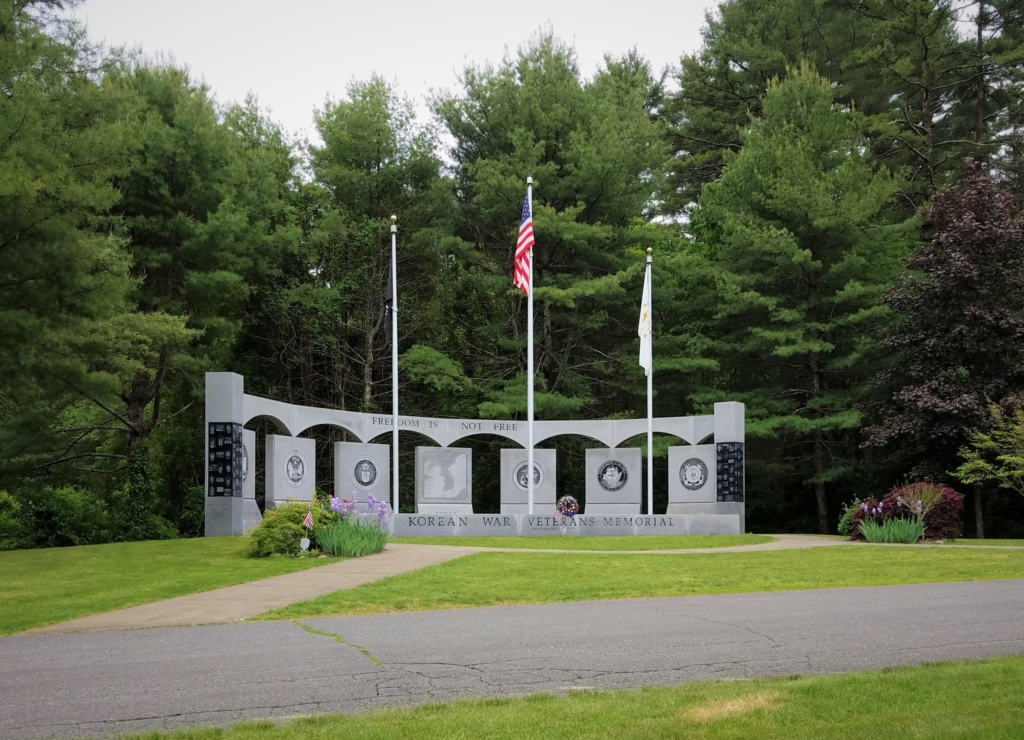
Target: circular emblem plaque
x=693, y=474
x=612, y=475
x=295, y=468
x=245, y=462
x=522, y=482
x=364, y=473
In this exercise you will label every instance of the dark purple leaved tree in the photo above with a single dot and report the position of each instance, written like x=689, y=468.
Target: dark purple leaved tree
x=958, y=338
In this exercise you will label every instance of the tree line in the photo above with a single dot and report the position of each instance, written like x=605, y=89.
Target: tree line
x=831, y=188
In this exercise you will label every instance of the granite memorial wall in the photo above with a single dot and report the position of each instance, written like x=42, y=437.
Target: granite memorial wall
x=706, y=481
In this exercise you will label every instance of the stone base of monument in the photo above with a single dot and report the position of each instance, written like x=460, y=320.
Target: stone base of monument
x=526, y=525
x=631, y=509
x=251, y=516
x=547, y=509
x=710, y=511
x=223, y=516
x=449, y=509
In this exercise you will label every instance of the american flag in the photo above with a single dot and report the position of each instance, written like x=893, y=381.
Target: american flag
x=521, y=265
x=308, y=521
x=558, y=516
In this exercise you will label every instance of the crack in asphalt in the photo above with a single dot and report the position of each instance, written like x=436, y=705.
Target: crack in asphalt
x=340, y=640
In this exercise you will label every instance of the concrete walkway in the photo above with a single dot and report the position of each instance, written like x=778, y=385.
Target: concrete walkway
x=235, y=603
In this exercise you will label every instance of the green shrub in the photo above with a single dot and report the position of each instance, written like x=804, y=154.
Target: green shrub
x=59, y=517
x=350, y=538
x=11, y=531
x=281, y=532
x=907, y=531
x=845, y=527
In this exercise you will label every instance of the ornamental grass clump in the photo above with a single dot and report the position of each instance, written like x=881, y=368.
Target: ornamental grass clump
x=344, y=531
x=906, y=531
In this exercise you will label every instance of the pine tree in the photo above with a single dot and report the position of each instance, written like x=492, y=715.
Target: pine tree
x=798, y=231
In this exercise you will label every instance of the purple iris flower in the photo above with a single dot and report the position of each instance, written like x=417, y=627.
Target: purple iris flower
x=370, y=501
x=335, y=504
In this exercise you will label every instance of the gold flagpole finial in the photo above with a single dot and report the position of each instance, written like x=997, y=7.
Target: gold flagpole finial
x=650, y=251
x=393, y=218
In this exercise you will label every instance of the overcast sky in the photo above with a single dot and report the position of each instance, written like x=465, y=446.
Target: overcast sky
x=294, y=54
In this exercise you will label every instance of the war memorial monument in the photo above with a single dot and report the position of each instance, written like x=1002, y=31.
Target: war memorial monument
x=705, y=486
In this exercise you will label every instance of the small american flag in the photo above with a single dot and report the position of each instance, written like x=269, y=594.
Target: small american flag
x=308, y=521
x=521, y=264
x=558, y=516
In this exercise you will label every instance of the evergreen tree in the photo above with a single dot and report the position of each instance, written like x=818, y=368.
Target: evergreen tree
x=64, y=279
x=798, y=232
x=748, y=43
x=323, y=316
x=203, y=207
x=596, y=157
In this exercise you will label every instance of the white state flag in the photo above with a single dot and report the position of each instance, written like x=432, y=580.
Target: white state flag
x=644, y=330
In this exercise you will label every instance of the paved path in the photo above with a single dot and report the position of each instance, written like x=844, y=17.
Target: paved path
x=234, y=603
x=104, y=683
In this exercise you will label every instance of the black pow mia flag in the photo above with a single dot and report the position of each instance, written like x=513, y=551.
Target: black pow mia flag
x=389, y=304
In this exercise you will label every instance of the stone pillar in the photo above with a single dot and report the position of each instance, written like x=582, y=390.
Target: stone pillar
x=225, y=452
x=706, y=482
x=514, y=493
x=730, y=462
x=444, y=480
x=251, y=516
x=362, y=469
x=291, y=469
x=614, y=481
x=692, y=476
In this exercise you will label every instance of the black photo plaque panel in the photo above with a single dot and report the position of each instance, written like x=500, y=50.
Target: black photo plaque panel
x=730, y=471
x=225, y=459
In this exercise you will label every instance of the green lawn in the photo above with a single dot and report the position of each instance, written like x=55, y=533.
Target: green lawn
x=983, y=699
x=490, y=578
x=52, y=585
x=653, y=542
x=987, y=543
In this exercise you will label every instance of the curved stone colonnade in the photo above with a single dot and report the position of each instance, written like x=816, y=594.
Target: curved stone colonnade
x=294, y=420
x=231, y=508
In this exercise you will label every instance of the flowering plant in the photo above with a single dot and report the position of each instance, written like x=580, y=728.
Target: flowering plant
x=934, y=505
x=356, y=528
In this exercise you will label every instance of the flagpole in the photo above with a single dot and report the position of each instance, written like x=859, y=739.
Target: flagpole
x=650, y=399
x=394, y=365
x=529, y=363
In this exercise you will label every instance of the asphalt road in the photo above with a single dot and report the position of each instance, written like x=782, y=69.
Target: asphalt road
x=106, y=683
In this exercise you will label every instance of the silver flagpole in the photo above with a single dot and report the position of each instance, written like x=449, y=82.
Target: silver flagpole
x=394, y=365
x=529, y=359
x=650, y=397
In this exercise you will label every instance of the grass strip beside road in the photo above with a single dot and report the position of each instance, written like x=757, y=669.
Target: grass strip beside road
x=40, y=587
x=653, y=542
x=986, y=543
x=981, y=699
x=493, y=578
